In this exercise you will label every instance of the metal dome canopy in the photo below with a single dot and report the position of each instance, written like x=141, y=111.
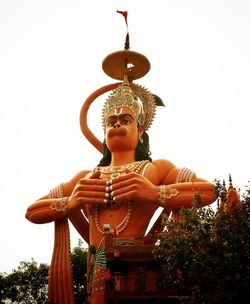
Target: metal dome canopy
x=126, y=62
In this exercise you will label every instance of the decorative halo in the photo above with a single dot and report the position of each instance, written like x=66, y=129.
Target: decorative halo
x=149, y=103
x=133, y=64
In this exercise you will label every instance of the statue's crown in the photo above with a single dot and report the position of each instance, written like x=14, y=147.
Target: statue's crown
x=139, y=100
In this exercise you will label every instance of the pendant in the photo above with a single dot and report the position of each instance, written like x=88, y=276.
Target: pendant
x=116, y=174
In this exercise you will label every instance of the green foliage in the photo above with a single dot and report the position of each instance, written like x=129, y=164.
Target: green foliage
x=28, y=284
x=211, y=251
x=79, y=264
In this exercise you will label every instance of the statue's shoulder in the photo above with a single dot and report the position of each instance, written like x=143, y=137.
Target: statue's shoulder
x=80, y=175
x=70, y=185
x=167, y=171
x=163, y=164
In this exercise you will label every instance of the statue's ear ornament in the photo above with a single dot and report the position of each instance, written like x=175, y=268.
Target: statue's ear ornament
x=158, y=101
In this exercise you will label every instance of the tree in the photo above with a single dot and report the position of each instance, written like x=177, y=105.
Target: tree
x=206, y=255
x=79, y=264
x=28, y=284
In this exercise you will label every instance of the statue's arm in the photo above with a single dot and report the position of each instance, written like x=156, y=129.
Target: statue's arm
x=41, y=212
x=52, y=207
x=181, y=184
x=162, y=184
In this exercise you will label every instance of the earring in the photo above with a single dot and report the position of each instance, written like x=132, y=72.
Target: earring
x=141, y=140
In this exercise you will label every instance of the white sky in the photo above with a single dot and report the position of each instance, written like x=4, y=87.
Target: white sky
x=50, y=61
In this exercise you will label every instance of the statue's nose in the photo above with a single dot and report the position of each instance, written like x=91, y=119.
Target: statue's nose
x=117, y=125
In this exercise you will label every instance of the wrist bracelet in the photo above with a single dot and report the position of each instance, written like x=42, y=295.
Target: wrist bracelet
x=165, y=193
x=60, y=205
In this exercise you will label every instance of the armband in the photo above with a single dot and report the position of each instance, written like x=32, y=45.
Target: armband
x=165, y=193
x=185, y=175
x=56, y=192
x=60, y=205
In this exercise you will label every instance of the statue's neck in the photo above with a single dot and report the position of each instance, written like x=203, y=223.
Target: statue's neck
x=122, y=158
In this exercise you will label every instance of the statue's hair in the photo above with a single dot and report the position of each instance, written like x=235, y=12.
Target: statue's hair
x=141, y=153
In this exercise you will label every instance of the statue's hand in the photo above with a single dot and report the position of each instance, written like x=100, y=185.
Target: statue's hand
x=133, y=187
x=87, y=191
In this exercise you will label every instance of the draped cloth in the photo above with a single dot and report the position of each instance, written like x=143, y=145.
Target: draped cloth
x=97, y=273
x=60, y=274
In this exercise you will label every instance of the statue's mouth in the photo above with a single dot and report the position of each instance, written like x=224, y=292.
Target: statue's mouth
x=121, y=131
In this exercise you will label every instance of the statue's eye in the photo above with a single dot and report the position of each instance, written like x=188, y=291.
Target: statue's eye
x=111, y=122
x=125, y=121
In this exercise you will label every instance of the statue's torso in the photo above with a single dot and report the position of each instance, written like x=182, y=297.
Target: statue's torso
x=129, y=219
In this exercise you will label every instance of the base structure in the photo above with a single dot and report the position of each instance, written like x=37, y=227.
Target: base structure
x=134, y=275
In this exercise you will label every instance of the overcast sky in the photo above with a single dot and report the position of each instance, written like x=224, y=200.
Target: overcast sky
x=50, y=62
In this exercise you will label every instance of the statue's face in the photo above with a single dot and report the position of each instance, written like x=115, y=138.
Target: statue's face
x=122, y=131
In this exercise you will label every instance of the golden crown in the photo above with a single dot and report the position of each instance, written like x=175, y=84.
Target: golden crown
x=138, y=99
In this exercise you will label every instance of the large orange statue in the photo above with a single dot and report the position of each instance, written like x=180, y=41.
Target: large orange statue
x=126, y=187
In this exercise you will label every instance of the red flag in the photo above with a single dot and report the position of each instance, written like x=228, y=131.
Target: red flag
x=125, y=15
x=179, y=276
x=108, y=275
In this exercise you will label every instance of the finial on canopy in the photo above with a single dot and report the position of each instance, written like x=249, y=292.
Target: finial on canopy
x=230, y=181
x=125, y=15
x=126, y=62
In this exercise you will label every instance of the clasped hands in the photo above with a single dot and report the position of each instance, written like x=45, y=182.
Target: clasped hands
x=128, y=187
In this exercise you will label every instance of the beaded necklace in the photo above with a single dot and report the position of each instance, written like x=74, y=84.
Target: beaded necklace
x=116, y=171
x=120, y=227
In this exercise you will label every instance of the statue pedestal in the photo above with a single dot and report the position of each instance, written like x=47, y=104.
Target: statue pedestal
x=135, y=276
